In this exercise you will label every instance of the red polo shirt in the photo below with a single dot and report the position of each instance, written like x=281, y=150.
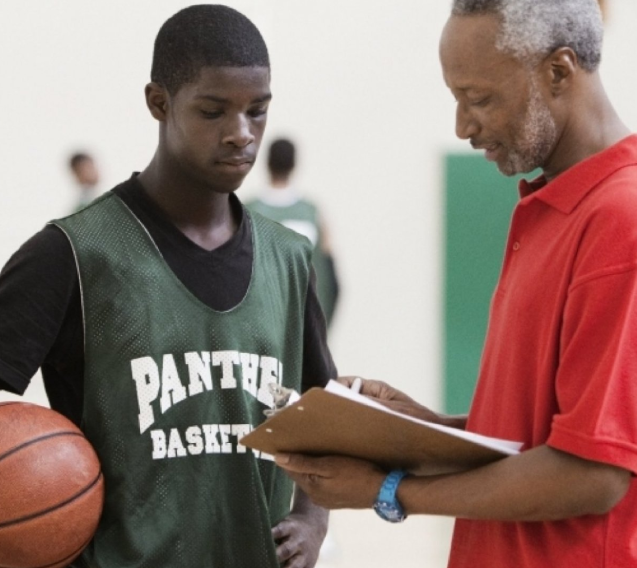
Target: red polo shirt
x=560, y=360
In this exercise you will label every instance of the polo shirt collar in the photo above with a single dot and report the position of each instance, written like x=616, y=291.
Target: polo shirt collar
x=569, y=188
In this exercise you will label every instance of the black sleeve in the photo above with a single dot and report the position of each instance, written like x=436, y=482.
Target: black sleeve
x=36, y=287
x=318, y=366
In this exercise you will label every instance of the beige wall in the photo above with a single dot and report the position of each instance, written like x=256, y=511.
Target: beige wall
x=357, y=83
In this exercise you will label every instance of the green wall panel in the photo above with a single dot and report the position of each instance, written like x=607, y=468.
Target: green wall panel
x=479, y=201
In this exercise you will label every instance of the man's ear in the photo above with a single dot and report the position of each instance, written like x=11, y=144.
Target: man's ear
x=157, y=101
x=560, y=69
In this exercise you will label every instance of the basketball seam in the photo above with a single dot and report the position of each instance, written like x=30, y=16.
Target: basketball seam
x=54, y=507
x=36, y=440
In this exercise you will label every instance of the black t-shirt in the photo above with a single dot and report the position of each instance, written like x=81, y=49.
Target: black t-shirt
x=41, y=313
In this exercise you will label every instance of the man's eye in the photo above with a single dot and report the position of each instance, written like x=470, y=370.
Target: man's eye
x=260, y=111
x=481, y=102
x=211, y=113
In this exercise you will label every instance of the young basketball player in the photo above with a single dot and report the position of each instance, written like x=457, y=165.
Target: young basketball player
x=162, y=314
x=559, y=363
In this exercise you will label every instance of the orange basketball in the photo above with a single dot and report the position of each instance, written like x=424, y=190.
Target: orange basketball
x=51, y=488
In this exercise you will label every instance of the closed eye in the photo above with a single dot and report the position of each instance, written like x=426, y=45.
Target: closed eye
x=259, y=111
x=211, y=114
x=480, y=102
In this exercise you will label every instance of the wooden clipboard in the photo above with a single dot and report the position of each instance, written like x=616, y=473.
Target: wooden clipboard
x=324, y=423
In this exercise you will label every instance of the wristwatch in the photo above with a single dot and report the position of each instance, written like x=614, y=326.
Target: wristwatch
x=387, y=506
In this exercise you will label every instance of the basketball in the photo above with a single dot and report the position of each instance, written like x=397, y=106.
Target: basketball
x=51, y=488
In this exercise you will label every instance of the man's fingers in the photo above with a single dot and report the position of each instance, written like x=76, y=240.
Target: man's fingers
x=289, y=549
x=285, y=551
x=280, y=531
x=309, y=473
x=282, y=535
x=378, y=390
x=297, y=561
x=299, y=463
x=347, y=381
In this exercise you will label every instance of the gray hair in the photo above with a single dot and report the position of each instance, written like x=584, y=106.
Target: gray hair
x=534, y=28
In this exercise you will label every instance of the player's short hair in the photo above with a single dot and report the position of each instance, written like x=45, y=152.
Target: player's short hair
x=205, y=35
x=531, y=29
x=281, y=157
x=77, y=158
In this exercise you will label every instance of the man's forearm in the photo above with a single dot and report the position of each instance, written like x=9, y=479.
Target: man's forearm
x=541, y=484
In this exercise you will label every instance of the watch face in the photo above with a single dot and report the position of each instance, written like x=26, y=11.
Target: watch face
x=389, y=511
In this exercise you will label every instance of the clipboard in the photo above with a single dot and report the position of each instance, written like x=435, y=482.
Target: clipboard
x=337, y=421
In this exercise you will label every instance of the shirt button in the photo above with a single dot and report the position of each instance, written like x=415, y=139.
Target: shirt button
x=516, y=245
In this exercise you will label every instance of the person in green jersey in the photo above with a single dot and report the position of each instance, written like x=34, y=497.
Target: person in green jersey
x=164, y=314
x=282, y=202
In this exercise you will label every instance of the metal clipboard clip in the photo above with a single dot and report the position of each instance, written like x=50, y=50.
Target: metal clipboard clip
x=282, y=397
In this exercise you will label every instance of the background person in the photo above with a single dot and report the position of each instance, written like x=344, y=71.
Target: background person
x=86, y=176
x=283, y=202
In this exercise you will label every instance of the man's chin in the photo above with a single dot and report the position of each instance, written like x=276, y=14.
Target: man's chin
x=227, y=185
x=512, y=167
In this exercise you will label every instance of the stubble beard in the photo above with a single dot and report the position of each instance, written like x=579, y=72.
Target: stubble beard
x=537, y=133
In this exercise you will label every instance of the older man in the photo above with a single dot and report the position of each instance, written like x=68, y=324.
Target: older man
x=560, y=360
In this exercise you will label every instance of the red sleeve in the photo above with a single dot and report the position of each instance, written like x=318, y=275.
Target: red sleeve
x=597, y=377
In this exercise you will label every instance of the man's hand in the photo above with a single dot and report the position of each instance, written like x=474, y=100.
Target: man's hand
x=300, y=535
x=379, y=390
x=334, y=482
x=400, y=402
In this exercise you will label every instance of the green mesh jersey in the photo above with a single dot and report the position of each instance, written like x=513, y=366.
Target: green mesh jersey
x=302, y=216
x=172, y=385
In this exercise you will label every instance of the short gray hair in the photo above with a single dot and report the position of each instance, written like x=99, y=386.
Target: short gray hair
x=534, y=28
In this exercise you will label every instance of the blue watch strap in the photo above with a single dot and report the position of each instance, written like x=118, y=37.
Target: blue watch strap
x=387, y=505
x=388, y=489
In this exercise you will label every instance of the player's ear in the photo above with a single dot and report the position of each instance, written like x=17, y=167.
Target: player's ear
x=157, y=100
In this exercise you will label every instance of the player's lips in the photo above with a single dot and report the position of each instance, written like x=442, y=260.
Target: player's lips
x=236, y=164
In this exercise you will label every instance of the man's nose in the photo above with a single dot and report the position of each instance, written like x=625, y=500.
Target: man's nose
x=466, y=124
x=239, y=133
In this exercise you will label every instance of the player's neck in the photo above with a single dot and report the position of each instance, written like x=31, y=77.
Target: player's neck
x=203, y=215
